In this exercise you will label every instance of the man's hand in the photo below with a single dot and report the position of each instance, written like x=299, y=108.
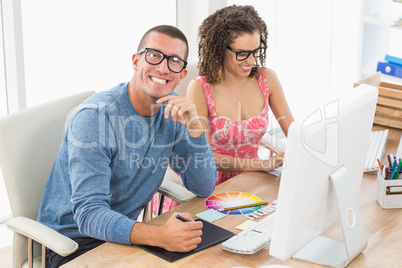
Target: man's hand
x=174, y=235
x=183, y=111
x=181, y=236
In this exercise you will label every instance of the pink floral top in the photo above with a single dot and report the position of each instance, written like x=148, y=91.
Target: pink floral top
x=236, y=138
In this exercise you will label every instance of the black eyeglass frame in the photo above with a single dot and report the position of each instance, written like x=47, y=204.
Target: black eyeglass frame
x=142, y=50
x=249, y=52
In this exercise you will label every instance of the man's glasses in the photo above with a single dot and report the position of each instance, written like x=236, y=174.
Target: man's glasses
x=244, y=54
x=154, y=57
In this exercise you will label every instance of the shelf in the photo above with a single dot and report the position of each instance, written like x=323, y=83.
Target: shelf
x=372, y=20
x=391, y=79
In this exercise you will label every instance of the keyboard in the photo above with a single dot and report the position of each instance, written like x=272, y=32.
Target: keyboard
x=252, y=239
x=378, y=140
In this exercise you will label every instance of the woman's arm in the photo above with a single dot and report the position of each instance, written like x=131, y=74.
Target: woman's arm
x=277, y=101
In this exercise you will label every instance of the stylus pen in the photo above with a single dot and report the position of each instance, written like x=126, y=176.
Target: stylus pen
x=181, y=218
x=244, y=206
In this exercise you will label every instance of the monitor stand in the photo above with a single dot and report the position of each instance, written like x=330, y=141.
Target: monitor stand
x=326, y=251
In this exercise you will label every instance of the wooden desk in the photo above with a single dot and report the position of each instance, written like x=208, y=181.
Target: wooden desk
x=383, y=229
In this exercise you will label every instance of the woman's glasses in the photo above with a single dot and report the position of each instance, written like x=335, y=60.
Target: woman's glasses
x=244, y=54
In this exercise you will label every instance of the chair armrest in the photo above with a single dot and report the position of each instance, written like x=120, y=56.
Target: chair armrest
x=172, y=187
x=42, y=234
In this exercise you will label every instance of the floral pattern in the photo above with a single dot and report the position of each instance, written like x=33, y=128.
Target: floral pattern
x=236, y=138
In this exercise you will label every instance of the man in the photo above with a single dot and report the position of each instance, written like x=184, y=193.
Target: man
x=116, y=148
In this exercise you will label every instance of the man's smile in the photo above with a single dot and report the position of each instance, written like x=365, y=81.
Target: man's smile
x=158, y=80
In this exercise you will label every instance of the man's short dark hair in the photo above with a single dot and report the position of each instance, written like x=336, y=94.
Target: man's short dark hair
x=169, y=31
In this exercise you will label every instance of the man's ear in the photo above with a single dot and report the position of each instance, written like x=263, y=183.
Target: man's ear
x=134, y=61
x=182, y=75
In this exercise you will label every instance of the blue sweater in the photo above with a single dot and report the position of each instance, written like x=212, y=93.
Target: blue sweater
x=111, y=162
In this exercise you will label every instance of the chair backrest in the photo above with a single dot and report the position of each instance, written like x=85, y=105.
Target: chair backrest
x=192, y=72
x=29, y=143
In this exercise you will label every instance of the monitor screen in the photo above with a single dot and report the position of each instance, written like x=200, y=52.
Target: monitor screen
x=321, y=178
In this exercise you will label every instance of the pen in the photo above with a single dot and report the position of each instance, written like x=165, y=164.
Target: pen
x=393, y=174
x=381, y=172
x=181, y=218
x=397, y=171
x=390, y=162
x=400, y=163
x=244, y=206
x=386, y=173
x=380, y=169
x=379, y=164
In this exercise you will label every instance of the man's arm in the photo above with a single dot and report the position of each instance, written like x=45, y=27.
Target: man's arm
x=192, y=157
x=89, y=171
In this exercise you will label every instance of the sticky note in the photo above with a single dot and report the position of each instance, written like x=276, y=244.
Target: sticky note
x=245, y=225
x=210, y=215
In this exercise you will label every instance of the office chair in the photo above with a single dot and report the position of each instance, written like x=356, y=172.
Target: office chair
x=29, y=143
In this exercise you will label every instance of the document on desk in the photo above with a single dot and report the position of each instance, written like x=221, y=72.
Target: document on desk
x=276, y=171
x=211, y=235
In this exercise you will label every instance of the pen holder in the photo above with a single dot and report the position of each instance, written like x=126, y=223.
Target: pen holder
x=389, y=192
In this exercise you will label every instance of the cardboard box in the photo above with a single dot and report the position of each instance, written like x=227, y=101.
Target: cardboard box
x=389, y=192
x=389, y=105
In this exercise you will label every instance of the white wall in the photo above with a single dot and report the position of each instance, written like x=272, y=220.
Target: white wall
x=190, y=15
x=314, y=46
x=56, y=48
x=72, y=46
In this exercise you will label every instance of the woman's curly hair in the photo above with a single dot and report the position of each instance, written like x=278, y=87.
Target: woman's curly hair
x=219, y=30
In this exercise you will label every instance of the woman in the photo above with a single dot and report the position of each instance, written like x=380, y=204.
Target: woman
x=235, y=91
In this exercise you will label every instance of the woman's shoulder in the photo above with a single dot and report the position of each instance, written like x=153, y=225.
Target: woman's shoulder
x=267, y=72
x=199, y=84
x=196, y=90
x=196, y=94
x=195, y=85
x=202, y=80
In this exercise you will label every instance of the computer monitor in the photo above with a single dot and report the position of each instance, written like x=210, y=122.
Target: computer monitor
x=321, y=179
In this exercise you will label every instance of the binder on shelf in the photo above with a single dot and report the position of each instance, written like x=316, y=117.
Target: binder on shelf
x=393, y=60
x=389, y=69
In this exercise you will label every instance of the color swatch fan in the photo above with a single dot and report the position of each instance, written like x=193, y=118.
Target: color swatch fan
x=233, y=199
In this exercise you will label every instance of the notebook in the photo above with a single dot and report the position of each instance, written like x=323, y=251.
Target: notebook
x=211, y=235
